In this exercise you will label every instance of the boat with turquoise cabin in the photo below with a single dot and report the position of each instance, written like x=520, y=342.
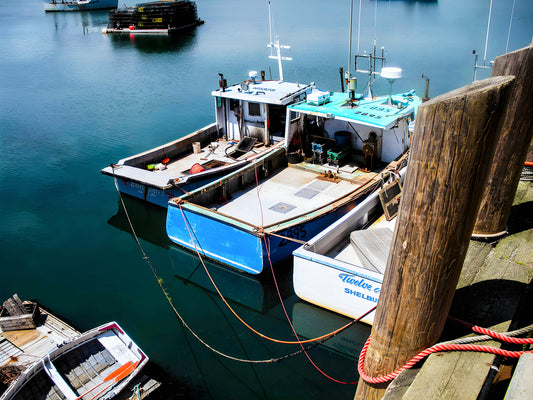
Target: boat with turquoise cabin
x=338, y=149
x=79, y=5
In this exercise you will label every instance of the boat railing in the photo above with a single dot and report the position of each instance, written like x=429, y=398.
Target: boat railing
x=172, y=149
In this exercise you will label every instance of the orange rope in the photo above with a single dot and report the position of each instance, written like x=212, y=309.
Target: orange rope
x=237, y=315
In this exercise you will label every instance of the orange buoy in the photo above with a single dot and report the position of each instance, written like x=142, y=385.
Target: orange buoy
x=196, y=168
x=132, y=27
x=165, y=160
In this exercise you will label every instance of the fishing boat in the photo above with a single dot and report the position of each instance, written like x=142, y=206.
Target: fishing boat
x=97, y=364
x=79, y=5
x=338, y=148
x=341, y=269
x=250, y=121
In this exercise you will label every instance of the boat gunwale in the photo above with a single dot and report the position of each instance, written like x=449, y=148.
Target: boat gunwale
x=29, y=373
x=260, y=231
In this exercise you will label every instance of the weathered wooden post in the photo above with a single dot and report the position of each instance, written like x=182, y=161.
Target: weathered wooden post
x=452, y=148
x=513, y=143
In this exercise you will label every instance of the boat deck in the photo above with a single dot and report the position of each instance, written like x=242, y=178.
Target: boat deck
x=24, y=347
x=209, y=157
x=291, y=192
x=345, y=251
x=215, y=153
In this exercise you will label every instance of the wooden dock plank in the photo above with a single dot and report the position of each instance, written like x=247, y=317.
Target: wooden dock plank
x=521, y=386
x=488, y=292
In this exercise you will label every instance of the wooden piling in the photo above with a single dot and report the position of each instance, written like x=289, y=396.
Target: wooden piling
x=512, y=147
x=452, y=145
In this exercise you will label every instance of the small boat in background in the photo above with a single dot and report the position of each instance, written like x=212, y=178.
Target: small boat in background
x=341, y=269
x=338, y=149
x=48, y=359
x=79, y=5
x=250, y=120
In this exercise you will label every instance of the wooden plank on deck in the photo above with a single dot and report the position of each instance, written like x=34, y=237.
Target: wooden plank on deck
x=489, y=290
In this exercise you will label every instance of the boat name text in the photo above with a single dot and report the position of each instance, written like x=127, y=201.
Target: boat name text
x=364, y=296
x=358, y=282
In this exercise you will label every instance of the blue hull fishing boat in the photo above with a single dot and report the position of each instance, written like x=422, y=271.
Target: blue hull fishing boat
x=79, y=5
x=338, y=149
x=250, y=121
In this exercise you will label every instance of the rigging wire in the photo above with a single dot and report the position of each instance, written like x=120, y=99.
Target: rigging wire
x=510, y=24
x=487, y=37
x=350, y=39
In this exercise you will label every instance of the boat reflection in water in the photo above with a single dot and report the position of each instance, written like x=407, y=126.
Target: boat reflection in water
x=148, y=220
x=311, y=321
x=201, y=372
x=155, y=43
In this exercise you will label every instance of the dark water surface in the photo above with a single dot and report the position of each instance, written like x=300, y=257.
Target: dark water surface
x=74, y=100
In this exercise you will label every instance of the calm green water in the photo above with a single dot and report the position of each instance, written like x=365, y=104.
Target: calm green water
x=74, y=100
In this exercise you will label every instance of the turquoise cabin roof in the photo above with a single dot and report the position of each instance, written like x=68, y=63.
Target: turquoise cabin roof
x=376, y=112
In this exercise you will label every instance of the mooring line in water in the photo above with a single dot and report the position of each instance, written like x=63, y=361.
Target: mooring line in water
x=267, y=247
x=194, y=241
x=266, y=242
x=159, y=280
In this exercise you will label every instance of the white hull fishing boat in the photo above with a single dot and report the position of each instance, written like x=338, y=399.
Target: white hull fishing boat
x=250, y=121
x=79, y=5
x=341, y=269
x=338, y=148
x=96, y=365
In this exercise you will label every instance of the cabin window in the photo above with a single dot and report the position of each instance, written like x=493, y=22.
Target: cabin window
x=233, y=104
x=219, y=102
x=254, y=109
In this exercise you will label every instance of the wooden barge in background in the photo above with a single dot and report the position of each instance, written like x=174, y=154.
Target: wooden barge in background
x=158, y=17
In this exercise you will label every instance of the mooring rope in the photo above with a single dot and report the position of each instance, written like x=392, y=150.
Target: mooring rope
x=194, y=240
x=453, y=345
x=315, y=342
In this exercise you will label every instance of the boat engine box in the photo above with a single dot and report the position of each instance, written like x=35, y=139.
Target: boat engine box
x=318, y=98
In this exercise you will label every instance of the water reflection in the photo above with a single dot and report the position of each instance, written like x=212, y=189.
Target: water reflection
x=89, y=21
x=148, y=220
x=257, y=301
x=154, y=43
x=311, y=322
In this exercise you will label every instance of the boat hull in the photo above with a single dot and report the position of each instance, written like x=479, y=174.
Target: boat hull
x=240, y=245
x=348, y=291
x=323, y=278
x=106, y=346
x=160, y=196
x=80, y=6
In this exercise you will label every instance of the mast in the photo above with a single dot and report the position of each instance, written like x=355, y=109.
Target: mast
x=275, y=45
